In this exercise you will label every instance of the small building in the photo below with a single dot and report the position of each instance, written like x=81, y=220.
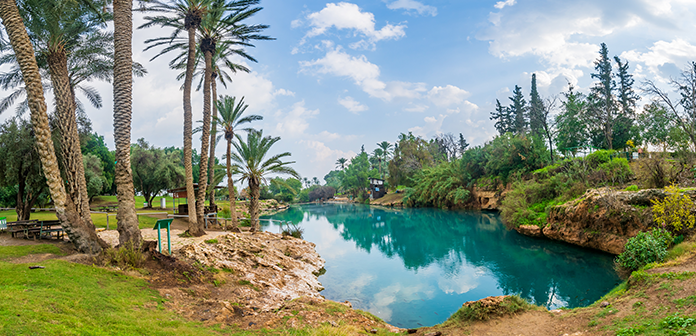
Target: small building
x=179, y=195
x=377, y=188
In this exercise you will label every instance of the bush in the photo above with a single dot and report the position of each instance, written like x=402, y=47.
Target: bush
x=632, y=188
x=674, y=211
x=485, y=309
x=645, y=248
x=599, y=157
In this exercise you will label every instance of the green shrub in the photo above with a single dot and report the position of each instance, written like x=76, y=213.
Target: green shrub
x=617, y=171
x=599, y=157
x=632, y=187
x=645, y=248
x=674, y=211
x=480, y=311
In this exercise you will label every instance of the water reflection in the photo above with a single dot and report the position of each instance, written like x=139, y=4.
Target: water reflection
x=416, y=266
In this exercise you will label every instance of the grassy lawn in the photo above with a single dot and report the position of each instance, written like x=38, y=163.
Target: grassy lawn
x=74, y=299
x=8, y=252
x=146, y=222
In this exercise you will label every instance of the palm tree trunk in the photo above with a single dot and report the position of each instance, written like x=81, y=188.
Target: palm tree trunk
x=127, y=219
x=84, y=238
x=230, y=188
x=70, y=139
x=205, y=142
x=213, y=134
x=255, y=191
x=193, y=228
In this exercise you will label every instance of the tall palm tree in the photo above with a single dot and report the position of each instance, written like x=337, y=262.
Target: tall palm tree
x=127, y=219
x=56, y=28
x=341, y=163
x=250, y=160
x=230, y=120
x=217, y=26
x=386, y=148
x=83, y=237
x=181, y=15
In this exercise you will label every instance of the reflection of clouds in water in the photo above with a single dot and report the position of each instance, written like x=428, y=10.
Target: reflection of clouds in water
x=398, y=293
x=461, y=282
x=330, y=243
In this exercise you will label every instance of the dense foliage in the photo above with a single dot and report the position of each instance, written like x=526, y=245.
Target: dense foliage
x=674, y=211
x=645, y=248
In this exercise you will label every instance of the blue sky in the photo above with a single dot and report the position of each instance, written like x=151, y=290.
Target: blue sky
x=344, y=74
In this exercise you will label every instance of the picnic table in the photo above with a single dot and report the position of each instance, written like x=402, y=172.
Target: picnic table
x=36, y=229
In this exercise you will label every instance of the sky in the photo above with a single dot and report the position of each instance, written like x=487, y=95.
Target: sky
x=341, y=75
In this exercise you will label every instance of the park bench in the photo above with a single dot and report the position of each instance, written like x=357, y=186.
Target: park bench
x=21, y=227
x=46, y=230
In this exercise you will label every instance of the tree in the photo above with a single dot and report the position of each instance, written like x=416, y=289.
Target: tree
x=571, y=128
x=624, y=124
x=449, y=145
x=284, y=190
x=250, y=160
x=601, y=109
x=356, y=176
x=463, y=145
x=181, y=15
x=504, y=120
x=410, y=155
x=81, y=235
x=20, y=166
x=333, y=179
x=537, y=117
x=518, y=109
x=230, y=121
x=341, y=163
x=683, y=111
x=655, y=124
x=154, y=170
x=96, y=146
x=94, y=175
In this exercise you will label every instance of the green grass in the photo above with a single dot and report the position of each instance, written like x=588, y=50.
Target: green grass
x=9, y=252
x=99, y=220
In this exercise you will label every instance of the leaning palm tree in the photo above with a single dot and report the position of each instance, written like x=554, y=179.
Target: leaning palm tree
x=230, y=120
x=341, y=163
x=182, y=16
x=82, y=236
x=250, y=160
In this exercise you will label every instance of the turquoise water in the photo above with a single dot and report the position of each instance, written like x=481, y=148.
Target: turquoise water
x=415, y=267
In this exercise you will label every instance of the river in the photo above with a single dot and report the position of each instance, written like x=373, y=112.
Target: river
x=415, y=267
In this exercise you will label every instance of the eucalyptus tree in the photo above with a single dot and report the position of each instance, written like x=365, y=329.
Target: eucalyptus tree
x=183, y=16
x=250, y=160
x=81, y=235
x=230, y=120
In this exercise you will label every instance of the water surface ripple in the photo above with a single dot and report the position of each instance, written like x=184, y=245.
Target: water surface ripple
x=415, y=267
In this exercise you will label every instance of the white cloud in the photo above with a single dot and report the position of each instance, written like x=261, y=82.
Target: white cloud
x=432, y=126
x=352, y=104
x=283, y=92
x=447, y=96
x=412, y=5
x=349, y=16
x=324, y=154
x=294, y=123
x=365, y=74
x=678, y=52
x=502, y=4
x=416, y=107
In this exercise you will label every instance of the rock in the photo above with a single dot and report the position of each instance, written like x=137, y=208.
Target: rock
x=604, y=304
x=333, y=324
x=264, y=262
x=434, y=333
x=530, y=230
x=347, y=304
x=412, y=331
x=373, y=331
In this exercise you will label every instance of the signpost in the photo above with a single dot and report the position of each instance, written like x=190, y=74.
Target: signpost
x=164, y=223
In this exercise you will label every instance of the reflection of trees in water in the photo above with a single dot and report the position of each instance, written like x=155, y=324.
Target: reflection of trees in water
x=536, y=269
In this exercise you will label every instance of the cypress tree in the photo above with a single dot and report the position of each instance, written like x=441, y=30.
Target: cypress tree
x=503, y=118
x=602, y=108
x=518, y=109
x=536, y=110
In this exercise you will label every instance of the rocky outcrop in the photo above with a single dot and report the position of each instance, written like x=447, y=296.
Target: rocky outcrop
x=602, y=219
x=487, y=199
x=276, y=268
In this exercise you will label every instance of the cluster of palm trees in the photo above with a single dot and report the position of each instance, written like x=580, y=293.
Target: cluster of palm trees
x=379, y=158
x=51, y=43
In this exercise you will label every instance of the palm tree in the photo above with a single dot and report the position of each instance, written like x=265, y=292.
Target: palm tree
x=252, y=165
x=230, y=120
x=82, y=236
x=127, y=219
x=341, y=163
x=181, y=15
x=386, y=148
x=215, y=28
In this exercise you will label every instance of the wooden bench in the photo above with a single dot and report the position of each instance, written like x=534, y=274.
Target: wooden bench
x=46, y=230
x=21, y=227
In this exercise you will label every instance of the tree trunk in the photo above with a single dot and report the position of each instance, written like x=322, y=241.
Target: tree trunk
x=205, y=142
x=255, y=191
x=69, y=138
x=230, y=188
x=127, y=219
x=83, y=237
x=21, y=209
x=213, y=135
x=193, y=228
